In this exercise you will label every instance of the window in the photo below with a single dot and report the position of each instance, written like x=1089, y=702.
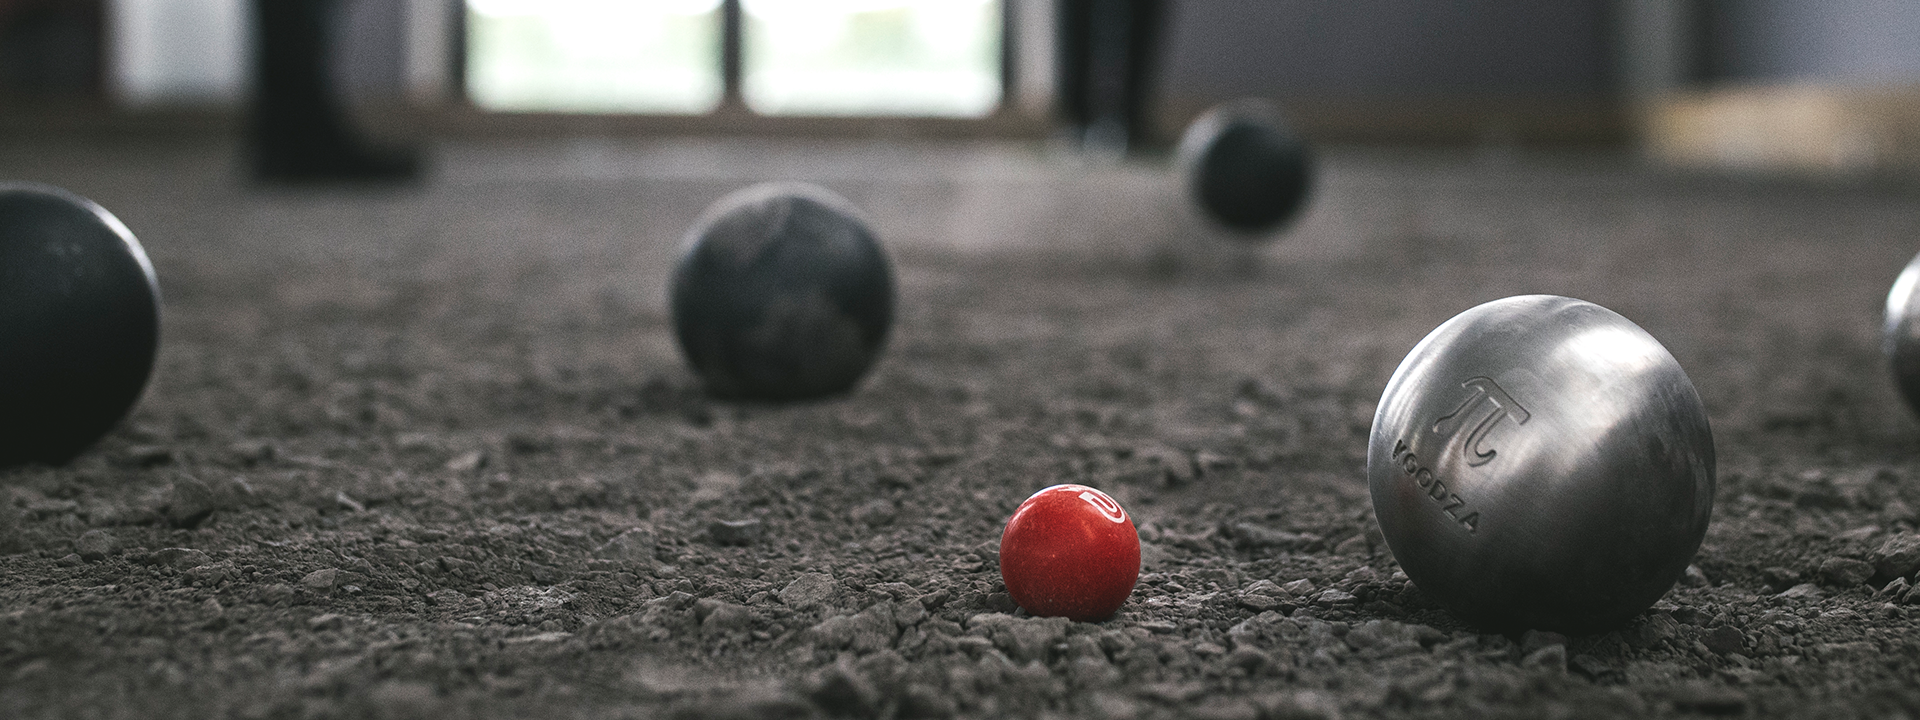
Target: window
x=594, y=56
x=872, y=57
x=178, y=52
x=919, y=58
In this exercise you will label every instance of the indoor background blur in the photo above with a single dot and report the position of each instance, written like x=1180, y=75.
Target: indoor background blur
x=1823, y=87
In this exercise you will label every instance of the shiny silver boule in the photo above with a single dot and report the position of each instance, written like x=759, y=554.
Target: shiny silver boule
x=1541, y=462
x=1900, y=335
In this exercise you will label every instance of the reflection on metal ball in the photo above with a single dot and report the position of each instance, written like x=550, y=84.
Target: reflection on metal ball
x=1541, y=462
x=1900, y=336
x=781, y=293
x=79, y=323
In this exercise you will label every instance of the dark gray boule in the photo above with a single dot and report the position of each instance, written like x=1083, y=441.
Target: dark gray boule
x=782, y=293
x=1244, y=169
x=79, y=323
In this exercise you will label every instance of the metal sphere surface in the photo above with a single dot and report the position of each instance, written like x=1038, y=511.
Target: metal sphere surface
x=1900, y=335
x=1541, y=462
x=79, y=323
x=1245, y=169
x=782, y=293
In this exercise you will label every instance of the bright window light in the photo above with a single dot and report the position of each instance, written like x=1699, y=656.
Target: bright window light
x=178, y=52
x=872, y=57
x=594, y=56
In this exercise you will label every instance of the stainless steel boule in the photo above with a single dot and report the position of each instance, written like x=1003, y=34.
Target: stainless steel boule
x=1900, y=335
x=1541, y=462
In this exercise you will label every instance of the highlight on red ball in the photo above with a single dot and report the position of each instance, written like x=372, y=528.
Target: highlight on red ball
x=1070, y=551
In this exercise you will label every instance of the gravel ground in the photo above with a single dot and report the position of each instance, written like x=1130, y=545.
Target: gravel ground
x=432, y=452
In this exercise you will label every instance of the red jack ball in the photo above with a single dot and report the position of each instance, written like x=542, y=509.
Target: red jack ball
x=1070, y=551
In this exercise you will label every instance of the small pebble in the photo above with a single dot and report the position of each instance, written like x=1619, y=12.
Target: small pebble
x=1803, y=590
x=1335, y=596
x=94, y=545
x=988, y=551
x=722, y=617
x=1001, y=602
x=1899, y=556
x=1845, y=572
x=1780, y=578
x=1356, y=545
x=320, y=582
x=1262, y=596
x=1265, y=587
x=875, y=513
x=1534, y=640
x=1588, y=665
x=1159, y=627
x=179, y=558
x=1552, y=658
x=147, y=456
x=736, y=532
x=251, y=452
x=809, y=590
x=467, y=461
x=1859, y=534
x=189, y=502
x=1725, y=640
x=635, y=545
x=1255, y=536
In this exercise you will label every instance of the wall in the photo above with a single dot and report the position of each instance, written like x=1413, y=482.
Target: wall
x=1844, y=42
x=1397, y=65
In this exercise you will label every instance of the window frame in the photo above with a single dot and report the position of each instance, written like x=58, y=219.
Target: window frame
x=1016, y=115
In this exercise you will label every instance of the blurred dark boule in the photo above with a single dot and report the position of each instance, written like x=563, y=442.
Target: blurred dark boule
x=79, y=323
x=1245, y=169
x=782, y=293
x=300, y=129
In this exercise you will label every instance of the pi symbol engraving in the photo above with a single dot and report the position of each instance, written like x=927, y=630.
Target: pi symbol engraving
x=1485, y=393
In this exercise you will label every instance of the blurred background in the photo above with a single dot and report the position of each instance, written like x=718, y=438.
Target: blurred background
x=1749, y=85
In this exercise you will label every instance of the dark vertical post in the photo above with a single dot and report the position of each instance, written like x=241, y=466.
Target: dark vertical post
x=50, y=47
x=299, y=129
x=1144, y=22
x=732, y=68
x=1070, y=43
x=457, y=49
x=1010, y=34
x=1109, y=29
x=1107, y=48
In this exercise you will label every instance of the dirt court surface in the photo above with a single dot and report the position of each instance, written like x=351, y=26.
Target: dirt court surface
x=431, y=452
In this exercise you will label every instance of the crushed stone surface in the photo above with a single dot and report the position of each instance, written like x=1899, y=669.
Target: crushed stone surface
x=431, y=452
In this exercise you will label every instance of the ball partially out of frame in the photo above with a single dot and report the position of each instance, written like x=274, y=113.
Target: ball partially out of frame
x=1541, y=462
x=79, y=323
x=782, y=293
x=1900, y=335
